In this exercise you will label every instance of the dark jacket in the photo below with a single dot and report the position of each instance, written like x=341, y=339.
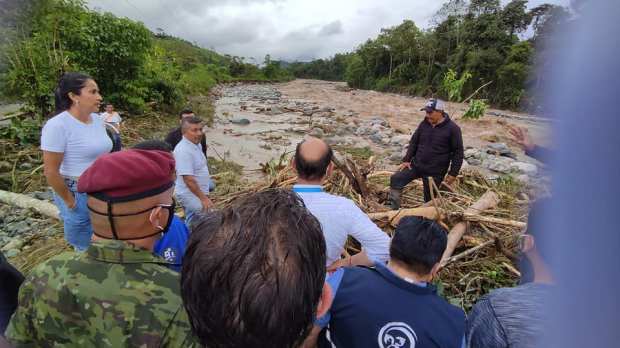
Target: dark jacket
x=175, y=136
x=373, y=305
x=435, y=149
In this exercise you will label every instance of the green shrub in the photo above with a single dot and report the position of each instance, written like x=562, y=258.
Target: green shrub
x=452, y=86
x=477, y=108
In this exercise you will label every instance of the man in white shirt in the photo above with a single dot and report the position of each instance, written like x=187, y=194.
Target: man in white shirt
x=339, y=216
x=192, y=185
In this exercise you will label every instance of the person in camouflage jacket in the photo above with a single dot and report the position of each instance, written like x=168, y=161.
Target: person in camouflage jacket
x=118, y=293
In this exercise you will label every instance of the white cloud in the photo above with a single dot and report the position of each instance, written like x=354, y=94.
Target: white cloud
x=286, y=29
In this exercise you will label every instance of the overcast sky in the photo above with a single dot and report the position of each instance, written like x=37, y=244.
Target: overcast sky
x=286, y=29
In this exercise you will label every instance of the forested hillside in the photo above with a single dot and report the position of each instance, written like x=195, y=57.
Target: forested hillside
x=473, y=43
x=135, y=68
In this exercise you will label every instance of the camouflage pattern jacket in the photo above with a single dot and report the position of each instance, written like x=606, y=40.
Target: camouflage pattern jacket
x=113, y=295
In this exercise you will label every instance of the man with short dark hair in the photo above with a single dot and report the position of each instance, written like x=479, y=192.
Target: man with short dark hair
x=175, y=135
x=339, y=216
x=435, y=146
x=117, y=293
x=395, y=305
x=254, y=273
x=193, y=179
x=515, y=317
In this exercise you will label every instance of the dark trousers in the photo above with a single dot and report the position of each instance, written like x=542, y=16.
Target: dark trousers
x=400, y=179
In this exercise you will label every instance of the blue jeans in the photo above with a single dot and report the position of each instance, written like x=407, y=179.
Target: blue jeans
x=78, y=229
x=191, y=205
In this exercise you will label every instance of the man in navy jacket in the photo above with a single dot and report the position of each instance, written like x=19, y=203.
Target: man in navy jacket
x=394, y=305
x=435, y=147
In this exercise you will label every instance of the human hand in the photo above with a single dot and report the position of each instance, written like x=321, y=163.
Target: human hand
x=339, y=264
x=72, y=202
x=450, y=180
x=207, y=204
x=404, y=165
x=521, y=137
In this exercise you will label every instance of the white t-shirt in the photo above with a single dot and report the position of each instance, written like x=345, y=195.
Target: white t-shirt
x=80, y=142
x=113, y=119
x=190, y=160
x=340, y=218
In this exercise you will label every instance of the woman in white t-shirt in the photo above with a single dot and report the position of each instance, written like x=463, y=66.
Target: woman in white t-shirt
x=71, y=141
x=113, y=121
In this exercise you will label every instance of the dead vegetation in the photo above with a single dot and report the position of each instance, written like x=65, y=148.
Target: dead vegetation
x=483, y=259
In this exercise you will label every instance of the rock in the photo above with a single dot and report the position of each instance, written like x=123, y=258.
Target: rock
x=377, y=138
x=472, y=153
x=523, y=178
x=396, y=157
x=500, y=149
x=379, y=120
x=334, y=140
x=15, y=244
x=376, y=128
x=240, y=121
x=362, y=131
x=11, y=253
x=25, y=166
x=43, y=195
x=317, y=132
x=525, y=168
x=400, y=139
x=498, y=164
x=308, y=112
x=465, y=165
x=386, y=140
x=327, y=109
x=276, y=110
x=474, y=161
x=18, y=228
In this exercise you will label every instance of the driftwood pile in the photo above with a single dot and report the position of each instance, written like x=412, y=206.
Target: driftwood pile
x=483, y=220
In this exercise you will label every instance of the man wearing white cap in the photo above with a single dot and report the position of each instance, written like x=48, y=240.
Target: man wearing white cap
x=435, y=147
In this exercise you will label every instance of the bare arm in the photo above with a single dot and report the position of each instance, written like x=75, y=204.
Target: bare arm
x=313, y=338
x=359, y=259
x=51, y=170
x=192, y=185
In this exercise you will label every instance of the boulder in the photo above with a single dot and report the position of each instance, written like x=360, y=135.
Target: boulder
x=500, y=149
x=376, y=128
x=400, y=139
x=276, y=110
x=378, y=120
x=525, y=168
x=498, y=164
x=377, y=138
x=523, y=178
x=240, y=121
x=317, y=132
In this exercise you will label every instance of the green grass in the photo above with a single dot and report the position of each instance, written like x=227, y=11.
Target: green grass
x=358, y=153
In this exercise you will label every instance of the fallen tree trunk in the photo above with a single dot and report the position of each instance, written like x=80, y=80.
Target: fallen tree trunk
x=491, y=220
x=26, y=202
x=488, y=200
x=394, y=216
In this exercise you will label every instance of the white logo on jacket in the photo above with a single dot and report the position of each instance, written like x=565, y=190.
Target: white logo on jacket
x=397, y=335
